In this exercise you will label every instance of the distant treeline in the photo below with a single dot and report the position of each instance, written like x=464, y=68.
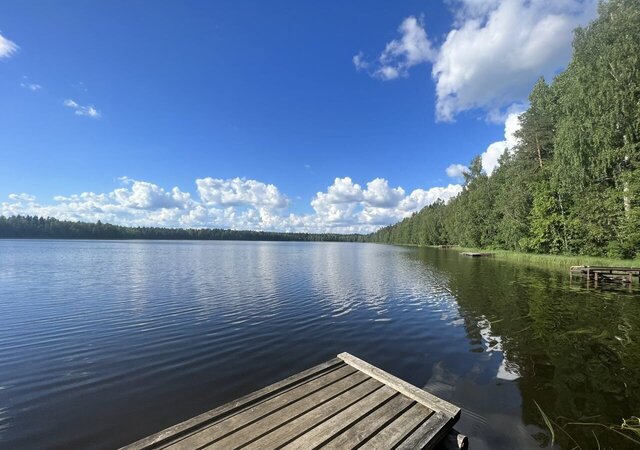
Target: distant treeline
x=572, y=185
x=50, y=228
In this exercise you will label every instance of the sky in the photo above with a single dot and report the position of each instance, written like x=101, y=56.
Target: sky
x=287, y=115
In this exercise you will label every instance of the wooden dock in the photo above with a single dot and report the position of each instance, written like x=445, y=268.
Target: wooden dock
x=621, y=274
x=341, y=404
x=476, y=254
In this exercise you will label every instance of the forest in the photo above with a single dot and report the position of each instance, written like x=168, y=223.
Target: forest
x=50, y=228
x=572, y=184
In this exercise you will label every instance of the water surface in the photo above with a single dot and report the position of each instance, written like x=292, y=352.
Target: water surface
x=105, y=342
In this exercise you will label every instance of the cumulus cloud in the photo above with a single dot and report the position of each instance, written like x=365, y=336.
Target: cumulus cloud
x=491, y=156
x=499, y=49
x=346, y=204
x=22, y=197
x=80, y=110
x=493, y=54
x=413, y=47
x=148, y=196
x=456, y=170
x=238, y=203
x=379, y=194
x=7, y=47
x=240, y=192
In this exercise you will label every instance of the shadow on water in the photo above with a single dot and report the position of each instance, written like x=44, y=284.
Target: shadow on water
x=572, y=350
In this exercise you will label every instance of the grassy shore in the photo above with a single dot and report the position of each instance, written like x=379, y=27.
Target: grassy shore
x=561, y=262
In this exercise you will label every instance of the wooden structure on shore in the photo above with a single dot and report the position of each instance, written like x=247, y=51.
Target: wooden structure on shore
x=343, y=403
x=476, y=254
x=597, y=273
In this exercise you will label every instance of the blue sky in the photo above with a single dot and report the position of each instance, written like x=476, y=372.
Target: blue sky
x=263, y=115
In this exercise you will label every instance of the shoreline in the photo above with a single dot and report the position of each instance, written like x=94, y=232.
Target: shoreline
x=558, y=262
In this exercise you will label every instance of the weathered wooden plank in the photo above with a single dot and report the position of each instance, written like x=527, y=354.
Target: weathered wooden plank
x=357, y=433
x=229, y=408
x=340, y=389
x=429, y=433
x=397, y=430
x=306, y=424
x=317, y=436
x=220, y=429
x=343, y=403
x=476, y=254
x=592, y=269
x=421, y=396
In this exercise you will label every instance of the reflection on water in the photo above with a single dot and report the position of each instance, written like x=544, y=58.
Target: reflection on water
x=102, y=343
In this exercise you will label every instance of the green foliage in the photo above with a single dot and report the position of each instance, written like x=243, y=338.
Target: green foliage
x=50, y=228
x=572, y=184
x=547, y=231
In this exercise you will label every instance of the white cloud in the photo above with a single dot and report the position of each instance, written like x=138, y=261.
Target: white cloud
x=346, y=204
x=22, y=197
x=410, y=49
x=493, y=54
x=498, y=50
x=344, y=190
x=490, y=157
x=7, y=47
x=379, y=194
x=148, y=196
x=30, y=86
x=238, y=203
x=456, y=170
x=240, y=192
x=89, y=110
x=420, y=198
x=359, y=61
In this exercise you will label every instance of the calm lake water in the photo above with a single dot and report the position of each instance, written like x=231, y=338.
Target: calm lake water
x=105, y=342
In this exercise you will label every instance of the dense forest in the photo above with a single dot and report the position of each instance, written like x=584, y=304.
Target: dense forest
x=572, y=184
x=50, y=228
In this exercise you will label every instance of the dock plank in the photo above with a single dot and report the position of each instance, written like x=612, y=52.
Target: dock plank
x=160, y=438
x=399, y=429
x=246, y=417
x=476, y=254
x=318, y=436
x=305, y=424
x=343, y=403
x=428, y=434
x=420, y=395
x=287, y=414
x=357, y=433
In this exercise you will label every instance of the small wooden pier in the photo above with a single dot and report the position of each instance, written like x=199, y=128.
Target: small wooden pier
x=476, y=254
x=595, y=273
x=341, y=404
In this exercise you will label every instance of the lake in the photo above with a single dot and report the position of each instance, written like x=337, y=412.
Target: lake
x=105, y=342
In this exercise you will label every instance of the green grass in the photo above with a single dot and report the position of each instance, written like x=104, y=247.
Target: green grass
x=561, y=262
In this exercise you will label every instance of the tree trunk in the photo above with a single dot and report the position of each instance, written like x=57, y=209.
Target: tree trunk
x=625, y=197
x=564, y=224
x=539, y=151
